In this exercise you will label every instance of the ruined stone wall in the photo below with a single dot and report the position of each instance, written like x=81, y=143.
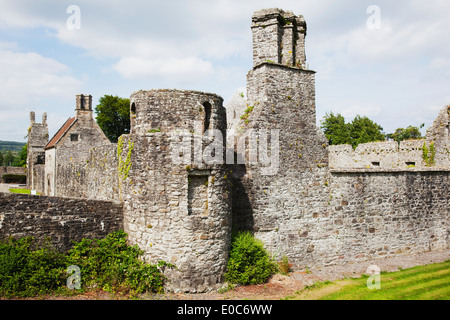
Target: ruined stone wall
x=235, y=109
x=385, y=154
x=278, y=37
x=176, y=209
x=37, y=139
x=317, y=216
x=92, y=177
x=287, y=190
x=439, y=134
x=283, y=99
x=394, y=155
x=365, y=215
x=61, y=219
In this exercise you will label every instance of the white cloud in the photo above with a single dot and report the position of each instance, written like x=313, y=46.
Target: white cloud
x=363, y=110
x=28, y=76
x=29, y=82
x=181, y=69
x=402, y=66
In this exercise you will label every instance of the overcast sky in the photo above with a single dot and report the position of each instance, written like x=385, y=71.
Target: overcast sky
x=391, y=64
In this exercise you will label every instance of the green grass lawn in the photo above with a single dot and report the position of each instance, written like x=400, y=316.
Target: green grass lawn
x=25, y=191
x=430, y=282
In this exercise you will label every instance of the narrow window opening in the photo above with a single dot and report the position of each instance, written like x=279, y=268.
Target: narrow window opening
x=74, y=137
x=375, y=164
x=410, y=164
x=207, y=119
x=133, y=108
x=40, y=159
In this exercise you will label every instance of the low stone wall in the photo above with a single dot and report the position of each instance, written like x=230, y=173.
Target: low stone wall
x=11, y=170
x=61, y=219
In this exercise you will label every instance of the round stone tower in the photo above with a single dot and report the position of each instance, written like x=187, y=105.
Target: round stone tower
x=177, y=206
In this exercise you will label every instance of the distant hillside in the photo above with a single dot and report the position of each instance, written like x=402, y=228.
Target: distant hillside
x=15, y=147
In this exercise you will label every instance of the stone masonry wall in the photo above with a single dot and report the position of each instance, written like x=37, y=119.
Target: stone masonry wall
x=366, y=214
x=176, y=209
x=92, y=177
x=439, y=133
x=284, y=100
x=316, y=204
x=319, y=216
x=37, y=139
x=385, y=154
x=278, y=37
x=61, y=219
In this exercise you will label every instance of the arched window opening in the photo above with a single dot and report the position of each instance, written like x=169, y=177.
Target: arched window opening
x=133, y=108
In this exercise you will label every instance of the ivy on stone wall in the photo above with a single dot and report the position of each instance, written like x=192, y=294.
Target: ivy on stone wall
x=428, y=154
x=124, y=166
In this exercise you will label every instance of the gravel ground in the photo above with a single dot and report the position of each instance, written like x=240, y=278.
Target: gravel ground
x=4, y=187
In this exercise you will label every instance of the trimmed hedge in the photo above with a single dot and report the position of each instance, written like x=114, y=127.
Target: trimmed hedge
x=14, y=178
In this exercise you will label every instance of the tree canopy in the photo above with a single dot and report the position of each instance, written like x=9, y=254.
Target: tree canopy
x=335, y=129
x=10, y=159
x=363, y=130
x=113, y=116
x=360, y=130
x=410, y=132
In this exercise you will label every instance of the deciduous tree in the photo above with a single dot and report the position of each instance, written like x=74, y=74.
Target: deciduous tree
x=410, y=132
x=335, y=129
x=360, y=130
x=113, y=116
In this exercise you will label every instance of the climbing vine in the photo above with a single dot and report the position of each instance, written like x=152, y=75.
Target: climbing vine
x=124, y=166
x=428, y=154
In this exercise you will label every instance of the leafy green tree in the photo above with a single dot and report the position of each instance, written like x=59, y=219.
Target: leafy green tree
x=113, y=116
x=1, y=158
x=21, y=159
x=360, y=130
x=410, y=132
x=363, y=130
x=335, y=129
x=8, y=158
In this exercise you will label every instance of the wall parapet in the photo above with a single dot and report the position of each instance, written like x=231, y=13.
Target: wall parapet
x=386, y=154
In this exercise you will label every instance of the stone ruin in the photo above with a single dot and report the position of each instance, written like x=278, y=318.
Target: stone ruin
x=270, y=171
